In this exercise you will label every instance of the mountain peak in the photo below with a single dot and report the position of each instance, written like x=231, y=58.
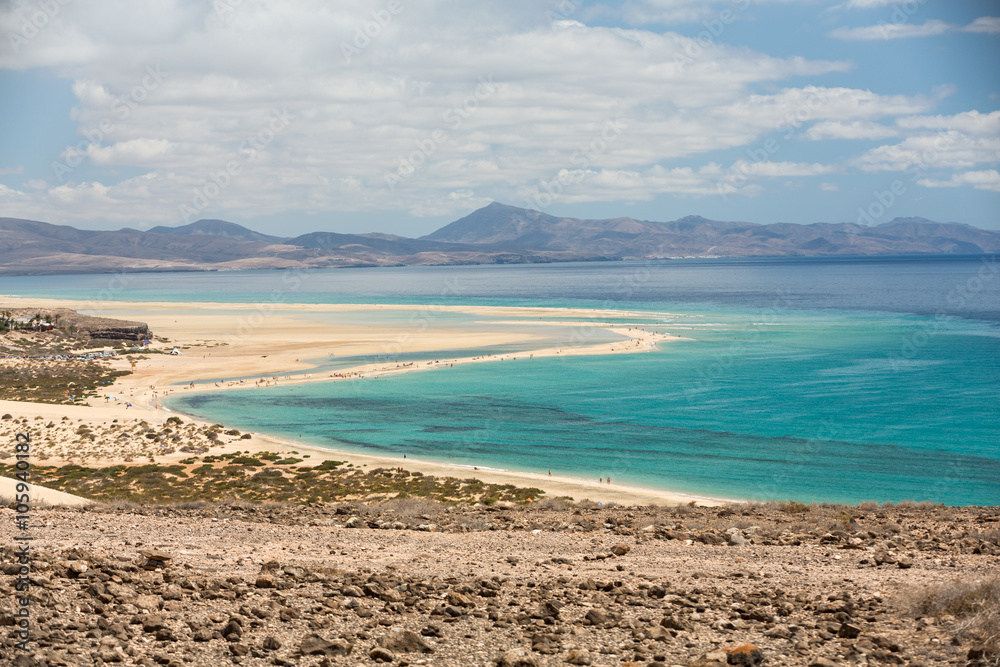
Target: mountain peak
x=221, y=228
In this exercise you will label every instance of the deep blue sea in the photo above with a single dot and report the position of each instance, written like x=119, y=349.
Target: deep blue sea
x=810, y=379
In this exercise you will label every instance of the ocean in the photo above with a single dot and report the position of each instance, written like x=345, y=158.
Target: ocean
x=840, y=380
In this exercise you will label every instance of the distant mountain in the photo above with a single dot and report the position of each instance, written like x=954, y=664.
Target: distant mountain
x=30, y=247
x=693, y=236
x=494, y=234
x=228, y=230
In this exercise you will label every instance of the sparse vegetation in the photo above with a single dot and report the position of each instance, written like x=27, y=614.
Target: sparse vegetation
x=973, y=601
x=261, y=478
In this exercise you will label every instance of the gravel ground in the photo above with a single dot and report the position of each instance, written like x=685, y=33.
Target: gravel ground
x=414, y=583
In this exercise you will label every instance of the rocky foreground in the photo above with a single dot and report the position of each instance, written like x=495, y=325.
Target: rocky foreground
x=413, y=582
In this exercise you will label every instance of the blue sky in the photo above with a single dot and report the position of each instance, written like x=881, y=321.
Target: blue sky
x=399, y=116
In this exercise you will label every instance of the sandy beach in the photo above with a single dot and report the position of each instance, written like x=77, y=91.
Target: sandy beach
x=251, y=347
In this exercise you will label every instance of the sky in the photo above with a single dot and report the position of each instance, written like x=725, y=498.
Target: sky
x=398, y=116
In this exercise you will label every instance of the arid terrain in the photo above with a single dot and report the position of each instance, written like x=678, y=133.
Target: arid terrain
x=411, y=581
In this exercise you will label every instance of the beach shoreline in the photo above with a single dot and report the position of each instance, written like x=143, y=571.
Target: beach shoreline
x=268, y=349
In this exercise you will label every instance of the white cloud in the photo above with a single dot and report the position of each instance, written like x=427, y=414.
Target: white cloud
x=828, y=187
x=902, y=30
x=415, y=94
x=980, y=180
x=869, y=4
x=961, y=141
x=9, y=193
x=853, y=130
x=673, y=12
x=783, y=169
x=575, y=186
x=893, y=31
x=132, y=152
x=969, y=122
x=986, y=24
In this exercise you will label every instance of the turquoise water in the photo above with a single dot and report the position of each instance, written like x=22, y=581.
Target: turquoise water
x=810, y=409
x=838, y=380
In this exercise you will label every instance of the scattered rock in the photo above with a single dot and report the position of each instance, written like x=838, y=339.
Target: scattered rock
x=744, y=655
x=316, y=645
x=516, y=658
x=848, y=631
x=405, y=641
x=379, y=654
x=620, y=549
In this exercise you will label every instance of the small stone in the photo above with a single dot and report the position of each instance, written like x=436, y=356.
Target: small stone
x=271, y=643
x=672, y=623
x=239, y=649
x=459, y=600
x=516, y=658
x=77, y=567
x=404, y=641
x=152, y=623
x=165, y=635
x=744, y=655
x=431, y=631
x=904, y=563
x=232, y=628
x=548, y=609
x=379, y=654
x=579, y=658
x=822, y=662
x=316, y=645
x=848, y=631
x=621, y=549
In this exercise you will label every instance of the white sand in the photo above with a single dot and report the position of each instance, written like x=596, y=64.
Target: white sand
x=250, y=342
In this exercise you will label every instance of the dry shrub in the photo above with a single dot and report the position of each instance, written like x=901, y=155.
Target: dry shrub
x=975, y=604
x=117, y=505
x=794, y=507
x=411, y=506
x=561, y=503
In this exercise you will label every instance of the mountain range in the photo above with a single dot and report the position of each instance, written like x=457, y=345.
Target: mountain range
x=494, y=234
